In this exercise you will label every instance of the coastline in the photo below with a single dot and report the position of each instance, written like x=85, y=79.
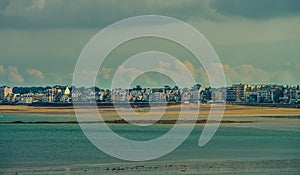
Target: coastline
x=163, y=167
x=122, y=121
x=233, y=114
x=230, y=110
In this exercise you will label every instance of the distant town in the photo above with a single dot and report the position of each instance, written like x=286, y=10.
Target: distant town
x=236, y=93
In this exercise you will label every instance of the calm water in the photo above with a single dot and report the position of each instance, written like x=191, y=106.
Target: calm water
x=62, y=144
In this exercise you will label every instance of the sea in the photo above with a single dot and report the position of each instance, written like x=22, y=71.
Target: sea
x=33, y=145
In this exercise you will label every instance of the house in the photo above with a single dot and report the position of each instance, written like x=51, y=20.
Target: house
x=4, y=92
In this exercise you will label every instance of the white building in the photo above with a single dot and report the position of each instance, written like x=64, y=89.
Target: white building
x=27, y=98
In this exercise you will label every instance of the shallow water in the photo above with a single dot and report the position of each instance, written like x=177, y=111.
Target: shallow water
x=24, y=145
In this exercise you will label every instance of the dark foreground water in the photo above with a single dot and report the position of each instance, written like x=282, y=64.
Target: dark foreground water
x=27, y=145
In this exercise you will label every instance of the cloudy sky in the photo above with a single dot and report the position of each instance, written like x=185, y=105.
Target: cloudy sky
x=257, y=41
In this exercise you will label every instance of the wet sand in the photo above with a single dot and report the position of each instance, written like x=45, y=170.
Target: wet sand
x=284, y=167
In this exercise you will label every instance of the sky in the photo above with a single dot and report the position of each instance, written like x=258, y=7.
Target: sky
x=257, y=41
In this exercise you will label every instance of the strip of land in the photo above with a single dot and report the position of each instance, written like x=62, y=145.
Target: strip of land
x=122, y=121
x=283, y=167
x=230, y=110
x=232, y=113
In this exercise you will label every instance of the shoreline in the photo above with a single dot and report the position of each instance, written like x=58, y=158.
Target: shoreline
x=145, y=104
x=122, y=121
x=162, y=167
x=190, y=109
x=233, y=114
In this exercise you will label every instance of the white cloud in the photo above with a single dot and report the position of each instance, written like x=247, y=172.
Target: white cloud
x=175, y=71
x=13, y=75
x=106, y=73
x=1, y=69
x=10, y=75
x=35, y=73
x=125, y=75
x=182, y=73
x=190, y=67
x=247, y=73
x=37, y=5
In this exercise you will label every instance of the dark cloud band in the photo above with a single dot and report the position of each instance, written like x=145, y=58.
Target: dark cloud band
x=257, y=8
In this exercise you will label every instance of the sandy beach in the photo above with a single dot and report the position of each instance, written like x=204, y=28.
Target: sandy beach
x=230, y=110
x=279, y=167
x=233, y=113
